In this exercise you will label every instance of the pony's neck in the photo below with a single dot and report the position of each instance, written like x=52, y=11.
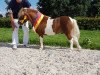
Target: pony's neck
x=29, y=17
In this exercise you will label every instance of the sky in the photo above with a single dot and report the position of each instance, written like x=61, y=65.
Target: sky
x=3, y=5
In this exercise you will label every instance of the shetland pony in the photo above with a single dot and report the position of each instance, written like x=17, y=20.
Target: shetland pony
x=45, y=25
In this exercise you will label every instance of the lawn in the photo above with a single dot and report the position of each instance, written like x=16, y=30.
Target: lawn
x=88, y=39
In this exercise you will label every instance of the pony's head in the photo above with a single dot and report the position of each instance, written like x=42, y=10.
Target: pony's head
x=26, y=14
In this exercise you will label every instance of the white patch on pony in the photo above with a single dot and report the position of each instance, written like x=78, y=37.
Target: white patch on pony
x=49, y=29
x=75, y=34
x=71, y=44
x=71, y=19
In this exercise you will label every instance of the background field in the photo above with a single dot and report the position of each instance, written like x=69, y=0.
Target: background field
x=88, y=39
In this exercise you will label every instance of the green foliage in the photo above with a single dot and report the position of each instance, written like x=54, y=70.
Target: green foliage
x=89, y=23
x=84, y=23
x=5, y=22
x=94, y=9
x=73, y=8
x=90, y=39
x=88, y=43
x=53, y=8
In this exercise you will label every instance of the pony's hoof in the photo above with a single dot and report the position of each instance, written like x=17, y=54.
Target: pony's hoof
x=79, y=47
x=71, y=48
x=40, y=48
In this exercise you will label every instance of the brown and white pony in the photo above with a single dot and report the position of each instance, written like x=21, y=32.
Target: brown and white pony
x=45, y=25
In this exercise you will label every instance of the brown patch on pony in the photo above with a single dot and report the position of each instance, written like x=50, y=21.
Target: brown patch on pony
x=64, y=25
x=56, y=25
x=41, y=28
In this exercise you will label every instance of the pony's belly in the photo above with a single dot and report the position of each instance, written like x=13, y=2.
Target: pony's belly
x=49, y=29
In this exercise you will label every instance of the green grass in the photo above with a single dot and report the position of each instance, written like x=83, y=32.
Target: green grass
x=88, y=39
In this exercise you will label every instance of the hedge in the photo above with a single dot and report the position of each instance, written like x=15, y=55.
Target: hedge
x=89, y=23
x=84, y=23
x=5, y=22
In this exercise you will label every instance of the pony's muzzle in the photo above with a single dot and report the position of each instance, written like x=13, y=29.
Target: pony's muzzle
x=20, y=22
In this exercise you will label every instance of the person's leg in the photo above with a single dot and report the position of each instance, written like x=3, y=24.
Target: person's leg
x=26, y=33
x=15, y=35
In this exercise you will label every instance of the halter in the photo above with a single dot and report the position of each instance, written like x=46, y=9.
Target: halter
x=23, y=19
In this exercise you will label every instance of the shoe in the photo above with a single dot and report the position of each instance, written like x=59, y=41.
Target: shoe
x=26, y=45
x=14, y=47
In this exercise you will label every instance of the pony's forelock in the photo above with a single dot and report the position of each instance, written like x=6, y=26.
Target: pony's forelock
x=22, y=11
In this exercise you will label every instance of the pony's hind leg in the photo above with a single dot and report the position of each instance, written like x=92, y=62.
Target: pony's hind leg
x=71, y=43
x=41, y=43
x=75, y=39
x=70, y=38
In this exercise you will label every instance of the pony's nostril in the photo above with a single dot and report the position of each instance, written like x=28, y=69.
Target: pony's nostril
x=18, y=22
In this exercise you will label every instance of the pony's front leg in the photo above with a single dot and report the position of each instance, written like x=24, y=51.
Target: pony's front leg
x=41, y=43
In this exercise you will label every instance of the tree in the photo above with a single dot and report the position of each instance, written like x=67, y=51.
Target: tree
x=94, y=9
x=7, y=2
x=1, y=15
x=53, y=8
x=57, y=8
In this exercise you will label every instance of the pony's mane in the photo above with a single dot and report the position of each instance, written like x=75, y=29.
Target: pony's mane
x=26, y=9
x=34, y=10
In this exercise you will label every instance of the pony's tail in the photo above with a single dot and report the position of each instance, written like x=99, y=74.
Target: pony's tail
x=76, y=30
